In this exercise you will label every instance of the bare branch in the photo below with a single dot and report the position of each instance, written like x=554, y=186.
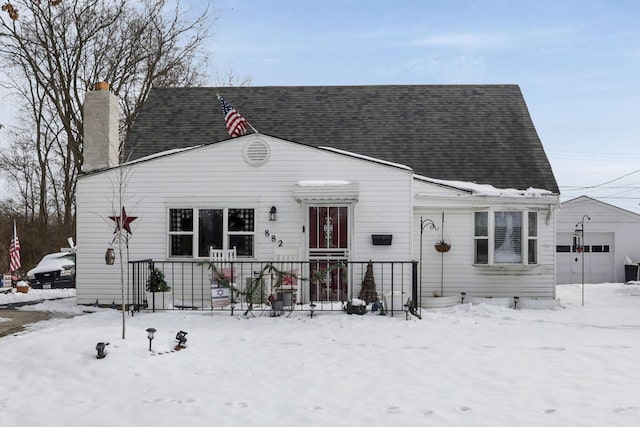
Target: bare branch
x=57, y=50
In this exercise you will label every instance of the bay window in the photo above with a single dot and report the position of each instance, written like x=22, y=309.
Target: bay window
x=220, y=228
x=505, y=237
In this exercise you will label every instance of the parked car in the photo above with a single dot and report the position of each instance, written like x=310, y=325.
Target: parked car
x=54, y=271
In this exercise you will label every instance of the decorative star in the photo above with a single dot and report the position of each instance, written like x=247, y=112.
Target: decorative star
x=124, y=220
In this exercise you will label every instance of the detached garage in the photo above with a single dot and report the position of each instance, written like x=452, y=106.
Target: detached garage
x=610, y=234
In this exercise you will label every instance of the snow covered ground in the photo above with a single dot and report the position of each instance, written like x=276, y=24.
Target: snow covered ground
x=468, y=365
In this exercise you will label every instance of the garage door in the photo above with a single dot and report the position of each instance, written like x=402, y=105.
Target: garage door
x=598, y=259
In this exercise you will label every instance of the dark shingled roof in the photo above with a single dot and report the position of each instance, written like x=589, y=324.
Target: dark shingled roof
x=475, y=133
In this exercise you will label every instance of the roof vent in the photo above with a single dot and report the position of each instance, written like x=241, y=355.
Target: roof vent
x=256, y=153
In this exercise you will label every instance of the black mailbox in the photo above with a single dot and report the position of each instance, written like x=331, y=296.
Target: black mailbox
x=381, y=239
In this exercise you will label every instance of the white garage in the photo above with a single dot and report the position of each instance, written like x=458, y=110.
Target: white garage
x=599, y=263
x=610, y=234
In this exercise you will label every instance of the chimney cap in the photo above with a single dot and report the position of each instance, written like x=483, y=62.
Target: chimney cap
x=101, y=86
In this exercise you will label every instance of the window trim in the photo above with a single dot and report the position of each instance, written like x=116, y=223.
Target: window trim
x=490, y=238
x=196, y=230
x=171, y=233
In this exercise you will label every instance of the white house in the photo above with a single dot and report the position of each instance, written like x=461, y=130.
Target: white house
x=611, y=237
x=352, y=174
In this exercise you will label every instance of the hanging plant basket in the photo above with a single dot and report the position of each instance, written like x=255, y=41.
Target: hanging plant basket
x=442, y=247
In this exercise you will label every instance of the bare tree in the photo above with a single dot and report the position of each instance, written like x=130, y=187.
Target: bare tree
x=55, y=51
x=228, y=77
x=21, y=168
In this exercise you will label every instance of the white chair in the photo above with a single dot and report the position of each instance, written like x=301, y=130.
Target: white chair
x=222, y=255
x=222, y=276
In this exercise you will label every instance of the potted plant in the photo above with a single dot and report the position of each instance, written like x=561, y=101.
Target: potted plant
x=442, y=246
x=158, y=290
x=156, y=282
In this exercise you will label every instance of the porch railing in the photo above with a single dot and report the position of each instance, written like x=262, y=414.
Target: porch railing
x=255, y=285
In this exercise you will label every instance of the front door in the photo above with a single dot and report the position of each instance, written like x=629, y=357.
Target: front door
x=328, y=252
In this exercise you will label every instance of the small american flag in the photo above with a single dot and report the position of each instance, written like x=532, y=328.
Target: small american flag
x=14, y=251
x=236, y=124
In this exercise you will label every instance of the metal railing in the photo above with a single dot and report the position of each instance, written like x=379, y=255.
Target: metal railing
x=264, y=287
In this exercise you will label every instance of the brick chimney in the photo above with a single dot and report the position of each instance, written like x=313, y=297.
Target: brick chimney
x=101, y=139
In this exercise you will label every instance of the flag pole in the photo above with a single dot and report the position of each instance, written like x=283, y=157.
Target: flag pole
x=251, y=126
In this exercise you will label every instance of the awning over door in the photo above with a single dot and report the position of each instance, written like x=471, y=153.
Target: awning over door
x=326, y=190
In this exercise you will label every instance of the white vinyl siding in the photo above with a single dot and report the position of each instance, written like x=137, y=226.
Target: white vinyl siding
x=456, y=271
x=217, y=176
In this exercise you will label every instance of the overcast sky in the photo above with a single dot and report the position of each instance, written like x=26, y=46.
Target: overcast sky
x=577, y=63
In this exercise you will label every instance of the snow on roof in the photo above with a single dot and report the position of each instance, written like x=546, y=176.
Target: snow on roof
x=486, y=189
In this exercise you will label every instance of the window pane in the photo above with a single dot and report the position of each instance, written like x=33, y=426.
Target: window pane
x=181, y=245
x=508, y=237
x=533, y=253
x=180, y=220
x=563, y=248
x=482, y=251
x=340, y=227
x=240, y=219
x=481, y=224
x=533, y=224
x=243, y=244
x=210, y=230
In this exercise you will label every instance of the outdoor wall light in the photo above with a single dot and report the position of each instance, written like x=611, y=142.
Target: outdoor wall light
x=181, y=337
x=462, y=295
x=110, y=256
x=150, y=332
x=312, y=308
x=515, y=302
x=101, y=349
x=273, y=213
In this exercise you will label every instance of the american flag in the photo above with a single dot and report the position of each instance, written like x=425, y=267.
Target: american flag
x=236, y=124
x=14, y=251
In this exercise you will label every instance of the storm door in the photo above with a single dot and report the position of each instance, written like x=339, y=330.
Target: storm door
x=329, y=237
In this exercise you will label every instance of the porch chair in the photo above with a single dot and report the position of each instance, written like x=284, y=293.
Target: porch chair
x=222, y=276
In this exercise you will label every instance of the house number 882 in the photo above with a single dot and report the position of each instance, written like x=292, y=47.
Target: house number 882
x=274, y=239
